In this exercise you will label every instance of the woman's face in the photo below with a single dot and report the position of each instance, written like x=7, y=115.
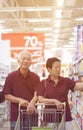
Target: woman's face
x=55, y=70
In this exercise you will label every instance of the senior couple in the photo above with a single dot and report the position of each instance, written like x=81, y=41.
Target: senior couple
x=24, y=87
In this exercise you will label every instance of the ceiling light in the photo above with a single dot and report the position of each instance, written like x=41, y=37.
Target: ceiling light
x=39, y=9
x=48, y=39
x=72, y=38
x=58, y=13
x=74, y=33
x=55, y=40
x=49, y=43
x=42, y=29
x=48, y=34
x=56, y=31
x=62, y=49
x=79, y=19
x=69, y=45
x=1, y=21
x=8, y=10
x=57, y=24
x=71, y=42
x=39, y=20
x=7, y=30
x=60, y=2
x=67, y=48
x=56, y=36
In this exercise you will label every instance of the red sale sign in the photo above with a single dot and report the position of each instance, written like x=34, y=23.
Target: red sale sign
x=33, y=42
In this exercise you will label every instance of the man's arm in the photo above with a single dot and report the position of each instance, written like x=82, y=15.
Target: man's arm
x=31, y=106
x=14, y=99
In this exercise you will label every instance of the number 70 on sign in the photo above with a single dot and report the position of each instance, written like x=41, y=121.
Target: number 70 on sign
x=32, y=41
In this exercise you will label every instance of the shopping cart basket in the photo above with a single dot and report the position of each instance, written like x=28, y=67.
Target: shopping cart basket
x=42, y=119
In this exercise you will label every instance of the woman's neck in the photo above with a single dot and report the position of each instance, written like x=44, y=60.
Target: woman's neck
x=55, y=79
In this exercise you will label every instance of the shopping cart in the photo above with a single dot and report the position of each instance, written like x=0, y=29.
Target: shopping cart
x=42, y=119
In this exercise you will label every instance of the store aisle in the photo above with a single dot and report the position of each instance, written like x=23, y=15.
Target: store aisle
x=75, y=126
x=7, y=127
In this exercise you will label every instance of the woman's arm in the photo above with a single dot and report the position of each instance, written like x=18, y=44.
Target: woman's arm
x=78, y=86
x=47, y=101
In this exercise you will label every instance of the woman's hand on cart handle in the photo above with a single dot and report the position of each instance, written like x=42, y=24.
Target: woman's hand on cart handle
x=59, y=104
x=47, y=104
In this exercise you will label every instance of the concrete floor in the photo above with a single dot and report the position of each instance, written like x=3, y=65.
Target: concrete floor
x=75, y=126
x=6, y=126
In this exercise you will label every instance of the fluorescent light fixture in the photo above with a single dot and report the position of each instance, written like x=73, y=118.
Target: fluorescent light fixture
x=56, y=36
x=69, y=45
x=72, y=42
x=48, y=34
x=62, y=48
x=7, y=30
x=39, y=20
x=74, y=33
x=48, y=39
x=50, y=43
x=39, y=9
x=1, y=21
x=79, y=19
x=8, y=10
x=60, y=2
x=57, y=24
x=72, y=38
x=55, y=40
x=58, y=13
x=56, y=31
x=67, y=48
x=42, y=29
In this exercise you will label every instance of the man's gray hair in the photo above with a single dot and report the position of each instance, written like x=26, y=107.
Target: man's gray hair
x=23, y=53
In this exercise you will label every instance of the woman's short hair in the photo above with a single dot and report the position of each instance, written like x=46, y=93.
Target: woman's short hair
x=50, y=62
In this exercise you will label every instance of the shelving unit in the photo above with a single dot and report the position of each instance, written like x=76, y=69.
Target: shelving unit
x=4, y=70
x=77, y=96
x=77, y=110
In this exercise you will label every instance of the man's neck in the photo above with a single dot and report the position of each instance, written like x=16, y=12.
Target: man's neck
x=24, y=72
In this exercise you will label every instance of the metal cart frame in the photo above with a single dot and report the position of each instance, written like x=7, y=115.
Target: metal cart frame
x=42, y=119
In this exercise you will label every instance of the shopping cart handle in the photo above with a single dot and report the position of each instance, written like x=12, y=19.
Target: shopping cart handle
x=47, y=104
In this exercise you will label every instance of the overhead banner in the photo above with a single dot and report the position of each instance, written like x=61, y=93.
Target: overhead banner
x=33, y=42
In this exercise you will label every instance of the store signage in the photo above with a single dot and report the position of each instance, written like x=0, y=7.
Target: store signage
x=78, y=53
x=33, y=42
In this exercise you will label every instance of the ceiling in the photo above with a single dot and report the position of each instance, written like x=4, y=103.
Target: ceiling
x=19, y=15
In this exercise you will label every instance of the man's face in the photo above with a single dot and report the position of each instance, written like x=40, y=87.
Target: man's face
x=24, y=62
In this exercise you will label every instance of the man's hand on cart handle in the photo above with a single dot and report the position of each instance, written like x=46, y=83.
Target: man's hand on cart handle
x=31, y=108
x=23, y=102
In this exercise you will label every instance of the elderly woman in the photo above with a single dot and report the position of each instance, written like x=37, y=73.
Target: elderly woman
x=54, y=89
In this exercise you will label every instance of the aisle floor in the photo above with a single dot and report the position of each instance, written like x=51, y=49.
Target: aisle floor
x=6, y=126
x=75, y=126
